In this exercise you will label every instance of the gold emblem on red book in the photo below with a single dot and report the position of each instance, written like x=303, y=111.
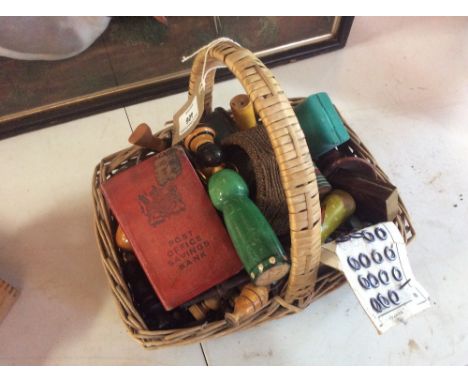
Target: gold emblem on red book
x=158, y=204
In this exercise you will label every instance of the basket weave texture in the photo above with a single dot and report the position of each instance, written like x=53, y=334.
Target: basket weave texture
x=300, y=187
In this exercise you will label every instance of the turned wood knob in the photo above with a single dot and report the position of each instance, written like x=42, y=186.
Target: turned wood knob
x=122, y=240
x=143, y=137
x=243, y=112
x=337, y=207
x=200, y=310
x=201, y=142
x=251, y=300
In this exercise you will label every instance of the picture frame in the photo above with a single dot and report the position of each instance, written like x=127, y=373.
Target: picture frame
x=105, y=76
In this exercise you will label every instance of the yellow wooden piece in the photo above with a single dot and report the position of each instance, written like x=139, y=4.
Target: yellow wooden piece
x=243, y=112
x=251, y=299
x=337, y=207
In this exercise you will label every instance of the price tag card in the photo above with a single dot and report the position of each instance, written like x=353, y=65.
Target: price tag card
x=187, y=118
x=375, y=263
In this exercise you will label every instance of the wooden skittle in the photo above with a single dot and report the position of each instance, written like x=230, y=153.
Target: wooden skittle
x=251, y=299
x=8, y=296
x=255, y=241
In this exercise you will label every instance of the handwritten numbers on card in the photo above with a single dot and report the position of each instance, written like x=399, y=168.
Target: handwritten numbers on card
x=188, y=116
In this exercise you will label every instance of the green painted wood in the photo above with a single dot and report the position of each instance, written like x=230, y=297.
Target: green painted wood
x=322, y=126
x=254, y=240
x=337, y=207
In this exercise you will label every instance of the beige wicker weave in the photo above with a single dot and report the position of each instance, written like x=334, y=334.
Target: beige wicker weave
x=298, y=180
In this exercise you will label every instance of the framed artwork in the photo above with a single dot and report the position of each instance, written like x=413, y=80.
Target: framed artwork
x=138, y=59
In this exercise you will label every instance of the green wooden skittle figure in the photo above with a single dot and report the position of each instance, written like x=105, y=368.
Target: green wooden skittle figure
x=254, y=240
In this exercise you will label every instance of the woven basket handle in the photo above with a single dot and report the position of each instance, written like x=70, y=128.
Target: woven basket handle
x=292, y=154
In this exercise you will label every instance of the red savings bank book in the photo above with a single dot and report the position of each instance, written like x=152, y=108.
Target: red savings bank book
x=175, y=231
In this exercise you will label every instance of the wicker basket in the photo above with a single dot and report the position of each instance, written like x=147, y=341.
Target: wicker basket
x=297, y=173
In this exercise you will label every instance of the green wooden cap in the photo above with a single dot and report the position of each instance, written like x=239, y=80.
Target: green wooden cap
x=322, y=126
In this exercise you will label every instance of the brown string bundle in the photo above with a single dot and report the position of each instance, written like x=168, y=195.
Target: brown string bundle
x=250, y=152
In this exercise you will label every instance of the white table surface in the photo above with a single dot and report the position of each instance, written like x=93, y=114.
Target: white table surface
x=401, y=83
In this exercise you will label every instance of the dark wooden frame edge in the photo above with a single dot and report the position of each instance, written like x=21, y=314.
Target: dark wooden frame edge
x=148, y=92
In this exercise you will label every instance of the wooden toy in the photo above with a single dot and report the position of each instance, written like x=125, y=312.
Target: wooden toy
x=201, y=142
x=255, y=241
x=376, y=201
x=143, y=137
x=337, y=207
x=243, y=112
x=251, y=299
x=221, y=122
x=122, y=240
x=358, y=166
x=322, y=126
x=200, y=310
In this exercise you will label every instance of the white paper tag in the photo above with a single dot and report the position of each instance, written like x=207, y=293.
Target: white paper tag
x=188, y=116
x=375, y=263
